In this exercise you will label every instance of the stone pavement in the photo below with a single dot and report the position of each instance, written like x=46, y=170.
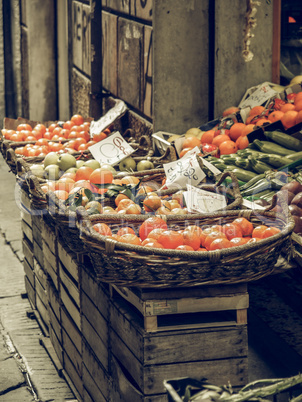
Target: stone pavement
x=26, y=371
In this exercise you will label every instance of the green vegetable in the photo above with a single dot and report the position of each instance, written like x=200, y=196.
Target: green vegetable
x=271, y=148
x=258, y=166
x=244, y=163
x=261, y=185
x=285, y=140
x=242, y=174
x=252, y=182
x=295, y=156
x=276, y=161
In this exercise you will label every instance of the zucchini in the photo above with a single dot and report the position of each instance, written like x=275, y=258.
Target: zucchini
x=285, y=140
x=271, y=148
x=276, y=161
x=252, y=182
x=294, y=156
x=242, y=174
x=244, y=163
x=258, y=166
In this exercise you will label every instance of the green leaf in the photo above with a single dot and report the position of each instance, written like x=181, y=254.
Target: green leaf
x=89, y=194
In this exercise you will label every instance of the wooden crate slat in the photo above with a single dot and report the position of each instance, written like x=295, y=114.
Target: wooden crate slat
x=70, y=306
x=68, y=282
x=71, y=329
x=72, y=352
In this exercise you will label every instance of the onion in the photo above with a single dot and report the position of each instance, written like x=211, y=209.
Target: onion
x=297, y=200
x=293, y=186
x=287, y=195
x=298, y=224
x=295, y=210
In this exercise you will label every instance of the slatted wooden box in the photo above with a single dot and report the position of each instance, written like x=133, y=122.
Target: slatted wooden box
x=55, y=320
x=50, y=252
x=41, y=286
x=95, y=316
x=28, y=266
x=194, y=332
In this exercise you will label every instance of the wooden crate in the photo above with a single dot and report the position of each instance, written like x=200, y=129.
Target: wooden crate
x=30, y=290
x=28, y=251
x=26, y=228
x=50, y=252
x=156, y=304
x=96, y=379
x=41, y=294
x=54, y=308
x=95, y=316
x=206, y=345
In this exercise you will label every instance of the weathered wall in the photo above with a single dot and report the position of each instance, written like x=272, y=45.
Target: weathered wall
x=233, y=76
x=42, y=84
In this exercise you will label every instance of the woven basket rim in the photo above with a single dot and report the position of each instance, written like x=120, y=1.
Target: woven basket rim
x=112, y=244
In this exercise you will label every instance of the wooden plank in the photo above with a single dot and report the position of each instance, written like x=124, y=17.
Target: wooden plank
x=121, y=6
x=69, y=283
x=29, y=272
x=49, y=238
x=37, y=228
x=130, y=62
x=96, y=344
x=30, y=292
x=276, y=45
x=72, y=352
x=27, y=230
x=96, y=371
x=95, y=318
x=57, y=344
x=177, y=345
x=70, y=306
x=147, y=90
x=25, y=200
x=28, y=251
x=184, y=305
x=86, y=41
x=52, y=272
x=122, y=389
x=69, y=260
x=73, y=378
x=40, y=275
x=42, y=311
x=141, y=9
x=150, y=378
x=98, y=293
x=54, y=300
x=94, y=393
x=55, y=323
x=40, y=291
x=242, y=316
x=109, y=32
x=77, y=39
x=38, y=253
x=71, y=329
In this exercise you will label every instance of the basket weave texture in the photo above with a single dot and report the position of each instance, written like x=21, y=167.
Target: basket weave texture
x=129, y=265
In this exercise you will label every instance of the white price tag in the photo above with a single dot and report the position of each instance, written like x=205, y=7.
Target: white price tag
x=251, y=204
x=184, y=170
x=198, y=200
x=211, y=167
x=105, y=121
x=261, y=95
x=111, y=150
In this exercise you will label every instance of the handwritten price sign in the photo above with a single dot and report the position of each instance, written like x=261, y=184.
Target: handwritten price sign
x=184, y=170
x=111, y=150
x=261, y=95
x=198, y=200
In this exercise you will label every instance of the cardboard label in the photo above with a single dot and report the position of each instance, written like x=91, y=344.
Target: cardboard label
x=111, y=150
x=105, y=121
x=261, y=95
x=198, y=200
x=251, y=205
x=185, y=170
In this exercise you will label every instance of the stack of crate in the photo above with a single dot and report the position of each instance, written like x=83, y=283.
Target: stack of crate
x=71, y=325
x=159, y=334
x=95, y=303
x=28, y=247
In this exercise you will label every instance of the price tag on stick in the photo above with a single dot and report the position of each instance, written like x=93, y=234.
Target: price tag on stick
x=184, y=170
x=198, y=200
x=111, y=150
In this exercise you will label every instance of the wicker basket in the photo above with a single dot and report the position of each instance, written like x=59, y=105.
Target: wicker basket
x=129, y=265
x=65, y=218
